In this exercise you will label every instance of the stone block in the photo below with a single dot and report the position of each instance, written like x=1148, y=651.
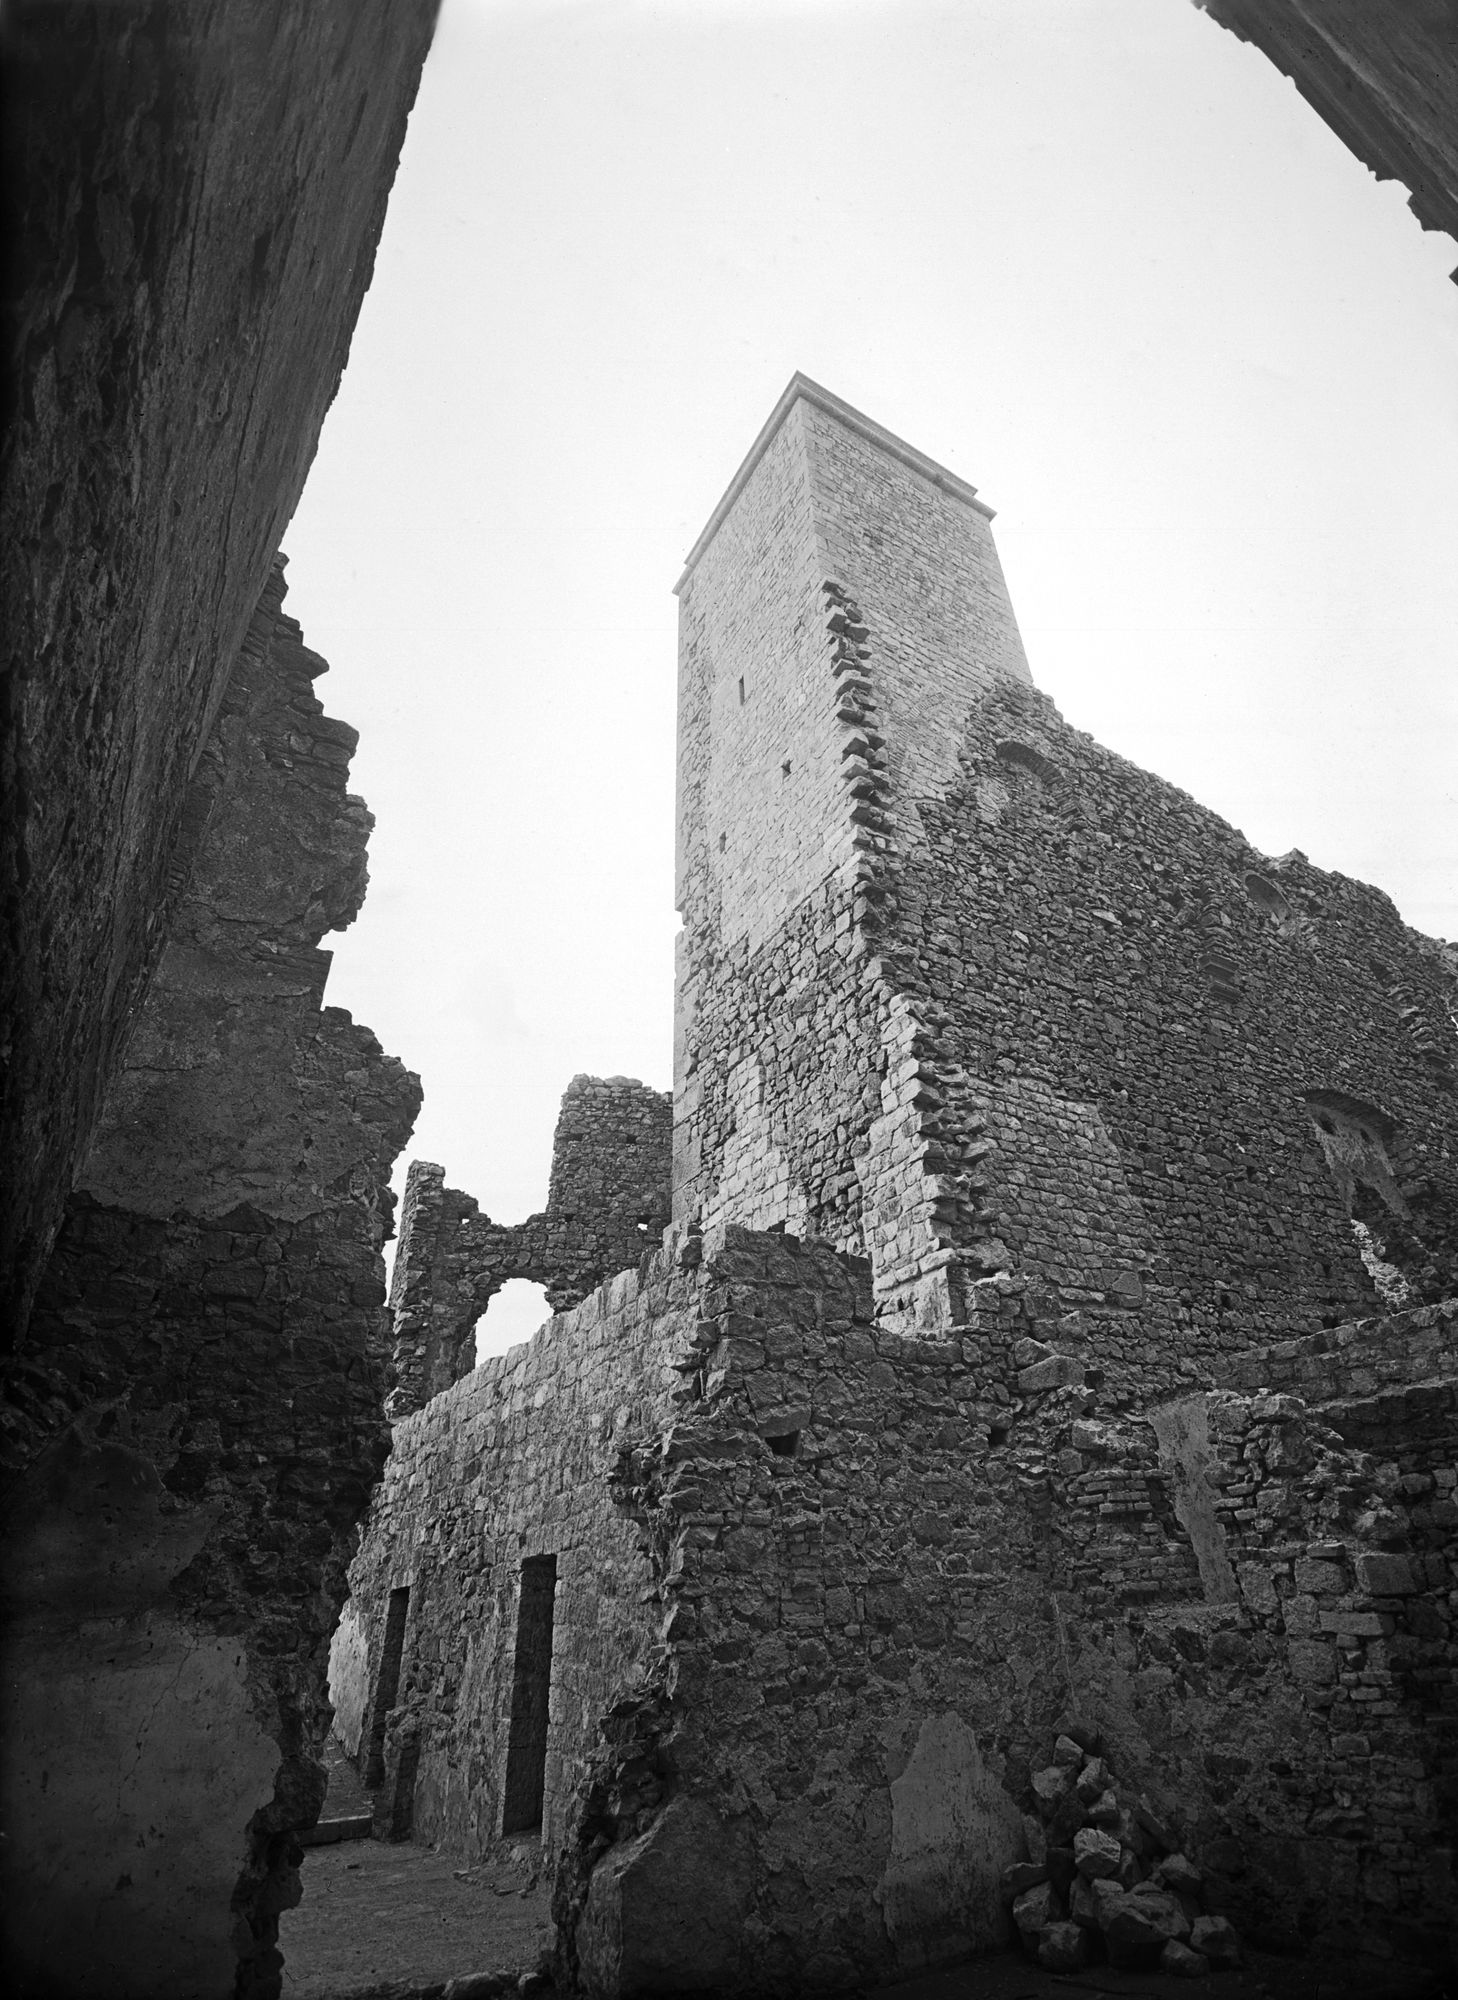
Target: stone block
x=1311, y=1661
x=1096, y=1853
x=1178, y=1959
x=1320, y=1579
x=1217, y=1939
x=1032, y=1910
x=1064, y=1947
x=1382, y=1575
x=1058, y=1372
x=1357, y=1624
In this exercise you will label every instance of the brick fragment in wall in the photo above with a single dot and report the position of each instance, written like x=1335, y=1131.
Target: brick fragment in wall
x=818, y=1587
x=607, y=1203
x=194, y=1427
x=195, y=203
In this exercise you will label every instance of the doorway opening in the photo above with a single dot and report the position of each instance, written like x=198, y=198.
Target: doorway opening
x=526, y=1750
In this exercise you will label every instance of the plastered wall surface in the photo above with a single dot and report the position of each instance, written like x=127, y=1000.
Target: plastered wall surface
x=195, y=1425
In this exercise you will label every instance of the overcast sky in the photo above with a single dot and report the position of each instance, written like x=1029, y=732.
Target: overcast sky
x=1095, y=256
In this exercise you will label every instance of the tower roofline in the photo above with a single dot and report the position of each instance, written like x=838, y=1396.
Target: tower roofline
x=801, y=389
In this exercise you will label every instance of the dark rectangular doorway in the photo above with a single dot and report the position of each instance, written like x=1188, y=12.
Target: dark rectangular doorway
x=387, y=1685
x=526, y=1753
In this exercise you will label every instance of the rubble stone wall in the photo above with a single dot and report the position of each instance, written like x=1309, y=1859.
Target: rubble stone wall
x=194, y=1427
x=1038, y=1011
x=809, y=718
x=823, y=1589
x=608, y=1199
x=193, y=195
x=1197, y=1067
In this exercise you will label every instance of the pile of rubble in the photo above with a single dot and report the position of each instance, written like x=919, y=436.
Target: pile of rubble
x=1106, y=1878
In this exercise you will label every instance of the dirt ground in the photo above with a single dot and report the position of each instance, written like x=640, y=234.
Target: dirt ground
x=376, y=1913
x=1011, y=1976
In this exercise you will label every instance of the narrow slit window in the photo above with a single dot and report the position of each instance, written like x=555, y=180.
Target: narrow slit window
x=741, y=690
x=387, y=1684
x=526, y=1750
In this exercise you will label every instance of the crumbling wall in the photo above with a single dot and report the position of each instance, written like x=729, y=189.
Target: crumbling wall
x=194, y=1427
x=1014, y=1003
x=1384, y=77
x=193, y=194
x=795, y=1716
x=607, y=1201
x=1197, y=1067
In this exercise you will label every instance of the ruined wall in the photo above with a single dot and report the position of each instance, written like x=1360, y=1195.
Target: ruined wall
x=794, y=1720
x=1196, y=1066
x=608, y=1199
x=193, y=195
x=1384, y=77
x=1018, y=1005
x=194, y=1426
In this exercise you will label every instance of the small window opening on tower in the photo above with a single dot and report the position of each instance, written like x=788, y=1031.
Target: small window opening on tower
x=723, y=841
x=526, y=1749
x=741, y=690
x=784, y=1444
x=785, y=768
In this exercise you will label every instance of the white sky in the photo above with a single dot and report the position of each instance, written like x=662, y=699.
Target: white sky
x=1094, y=255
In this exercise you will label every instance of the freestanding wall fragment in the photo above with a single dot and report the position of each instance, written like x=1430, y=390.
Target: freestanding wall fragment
x=607, y=1203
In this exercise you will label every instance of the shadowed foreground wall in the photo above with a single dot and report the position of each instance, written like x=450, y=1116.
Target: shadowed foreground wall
x=822, y=1591
x=192, y=197
x=195, y=1425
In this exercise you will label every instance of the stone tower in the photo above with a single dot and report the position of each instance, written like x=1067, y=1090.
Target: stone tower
x=840, y=613
x=963, y=991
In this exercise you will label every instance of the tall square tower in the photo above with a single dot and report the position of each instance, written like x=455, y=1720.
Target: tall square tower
x=964, y=992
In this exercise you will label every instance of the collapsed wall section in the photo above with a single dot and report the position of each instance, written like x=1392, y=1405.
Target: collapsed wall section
x=194, y=1428
x=607, y=1201
x=193, y=195
x=822, y=1592
x=1015, y=1005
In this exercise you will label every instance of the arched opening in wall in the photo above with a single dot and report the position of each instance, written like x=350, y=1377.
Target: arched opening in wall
x=513, y=1316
